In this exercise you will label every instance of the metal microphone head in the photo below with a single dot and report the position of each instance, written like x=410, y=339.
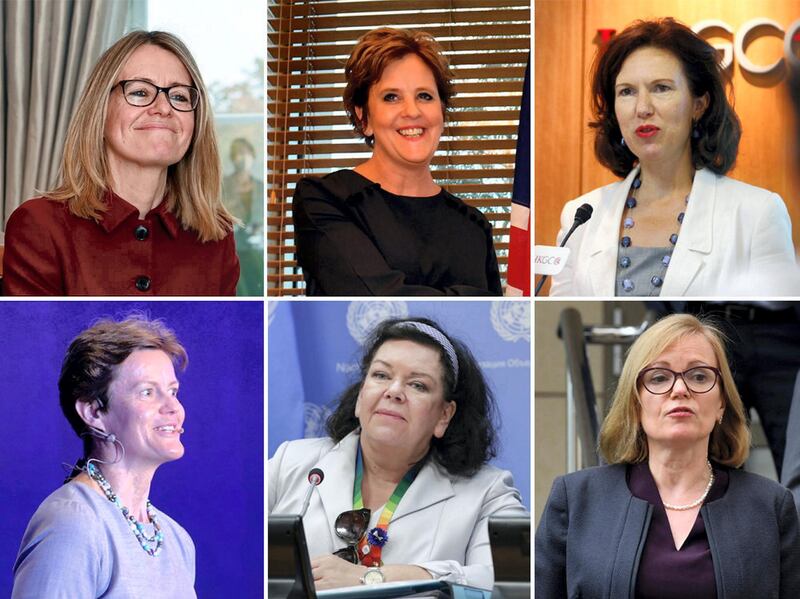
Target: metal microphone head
x=315, y=476
x=583, y=213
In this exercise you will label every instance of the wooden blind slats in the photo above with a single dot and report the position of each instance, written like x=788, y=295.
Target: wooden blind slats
x=310, y=164
x=314, y=120
x=472, y=72
x=313, y=23
x=342, y=8
x=487, y=43
x=283, y=52
x=476, y=145
x=317, y=106
x=336, y=92
x=327, y=64
x=437, y=31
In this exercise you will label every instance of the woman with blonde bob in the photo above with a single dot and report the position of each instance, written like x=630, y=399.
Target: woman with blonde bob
x=671, y=515
x=138, y=208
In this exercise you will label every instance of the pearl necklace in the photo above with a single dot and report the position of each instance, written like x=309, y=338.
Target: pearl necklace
x=151, y=545
x=696, y=502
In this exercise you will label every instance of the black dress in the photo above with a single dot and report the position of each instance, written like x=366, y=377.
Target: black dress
x=354, y=238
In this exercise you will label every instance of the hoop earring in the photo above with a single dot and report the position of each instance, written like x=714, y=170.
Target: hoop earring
x=119, y=454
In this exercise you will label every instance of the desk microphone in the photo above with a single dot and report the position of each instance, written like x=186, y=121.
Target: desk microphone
x=315, y=477
x=582, y=214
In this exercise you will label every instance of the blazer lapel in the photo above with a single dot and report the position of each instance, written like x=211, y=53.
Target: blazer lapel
x=604, y=242
x=431, y=486
x=696, y=237
x=336, y=490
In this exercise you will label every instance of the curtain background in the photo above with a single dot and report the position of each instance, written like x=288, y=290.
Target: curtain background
x=48, y=48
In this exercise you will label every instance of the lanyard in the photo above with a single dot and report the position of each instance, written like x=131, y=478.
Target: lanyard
x=371, y=544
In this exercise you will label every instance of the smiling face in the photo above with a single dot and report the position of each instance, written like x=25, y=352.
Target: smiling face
x=401, y=404
x=655, y=107
x=682, y=416
x=143, y=409
x=404, y=113
x=149, y=136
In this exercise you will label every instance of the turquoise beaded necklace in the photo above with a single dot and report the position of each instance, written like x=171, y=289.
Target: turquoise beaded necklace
x=151, y=545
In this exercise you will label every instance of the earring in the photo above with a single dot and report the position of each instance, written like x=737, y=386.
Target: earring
x=695, y=130
x=622, y=141
x=720, y=419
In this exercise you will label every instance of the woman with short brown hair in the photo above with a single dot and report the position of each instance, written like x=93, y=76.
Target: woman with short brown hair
x=386, y=228
x=98, y=534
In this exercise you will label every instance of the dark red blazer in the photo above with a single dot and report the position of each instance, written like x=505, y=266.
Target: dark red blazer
x=49, y=251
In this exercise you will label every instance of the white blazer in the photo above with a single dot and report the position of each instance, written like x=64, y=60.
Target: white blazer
x=736, y=240
x=440, y=523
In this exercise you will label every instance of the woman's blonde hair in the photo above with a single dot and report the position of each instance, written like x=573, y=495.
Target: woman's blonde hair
x=193, y=184
x=622, y=439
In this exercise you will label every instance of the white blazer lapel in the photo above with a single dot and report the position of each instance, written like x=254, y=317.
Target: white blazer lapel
x=431, y=486
x=696, y=237
x=604, y=242
x=336, y=489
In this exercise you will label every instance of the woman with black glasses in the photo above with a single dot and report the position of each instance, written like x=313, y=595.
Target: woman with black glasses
x=407, y=490
x=138, y=209
x=671, y=516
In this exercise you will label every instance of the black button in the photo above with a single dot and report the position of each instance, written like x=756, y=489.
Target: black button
x=142, y=283
x=141, y=232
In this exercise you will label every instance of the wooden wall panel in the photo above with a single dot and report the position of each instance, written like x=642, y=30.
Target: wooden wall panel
x=767, y=151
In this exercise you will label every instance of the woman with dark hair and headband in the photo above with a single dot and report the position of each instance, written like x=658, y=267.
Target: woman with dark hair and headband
x=407, y=489
x=98, y=535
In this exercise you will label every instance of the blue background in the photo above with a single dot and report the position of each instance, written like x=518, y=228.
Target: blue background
x=215, y=491
x=313, y=356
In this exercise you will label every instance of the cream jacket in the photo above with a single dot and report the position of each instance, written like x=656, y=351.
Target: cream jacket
x=736, y=240
x=440, y=523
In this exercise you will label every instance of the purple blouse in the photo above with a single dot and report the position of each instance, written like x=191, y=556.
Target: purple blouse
x=665, y=572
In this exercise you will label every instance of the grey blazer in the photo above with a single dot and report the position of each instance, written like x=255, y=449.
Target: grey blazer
x=592, y=533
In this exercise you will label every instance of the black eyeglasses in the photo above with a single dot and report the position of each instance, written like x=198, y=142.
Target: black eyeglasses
x=350, y=526
x=183, y=98
x=659, y=381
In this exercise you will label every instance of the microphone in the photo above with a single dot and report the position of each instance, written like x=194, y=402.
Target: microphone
x=582, y=214
x=315, y=477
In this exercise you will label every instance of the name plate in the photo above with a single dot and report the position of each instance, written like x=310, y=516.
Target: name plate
x=549, y=259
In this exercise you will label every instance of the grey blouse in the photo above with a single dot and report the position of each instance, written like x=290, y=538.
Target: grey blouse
x=637, y=278
x=78, y=544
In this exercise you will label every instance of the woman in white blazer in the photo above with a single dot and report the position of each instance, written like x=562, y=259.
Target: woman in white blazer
x=409, y=444
x=675, y=225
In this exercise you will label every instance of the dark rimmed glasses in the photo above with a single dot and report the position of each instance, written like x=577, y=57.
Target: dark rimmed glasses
x=350, y=526
x=658, y=380
x=139, y=93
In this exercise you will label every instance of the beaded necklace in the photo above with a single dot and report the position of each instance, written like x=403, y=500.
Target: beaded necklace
x=371, y=545
x=625, y=242
x=151, y=545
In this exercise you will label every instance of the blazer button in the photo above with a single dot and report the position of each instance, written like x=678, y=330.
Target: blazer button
x=141, y=232
x=143, y=283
